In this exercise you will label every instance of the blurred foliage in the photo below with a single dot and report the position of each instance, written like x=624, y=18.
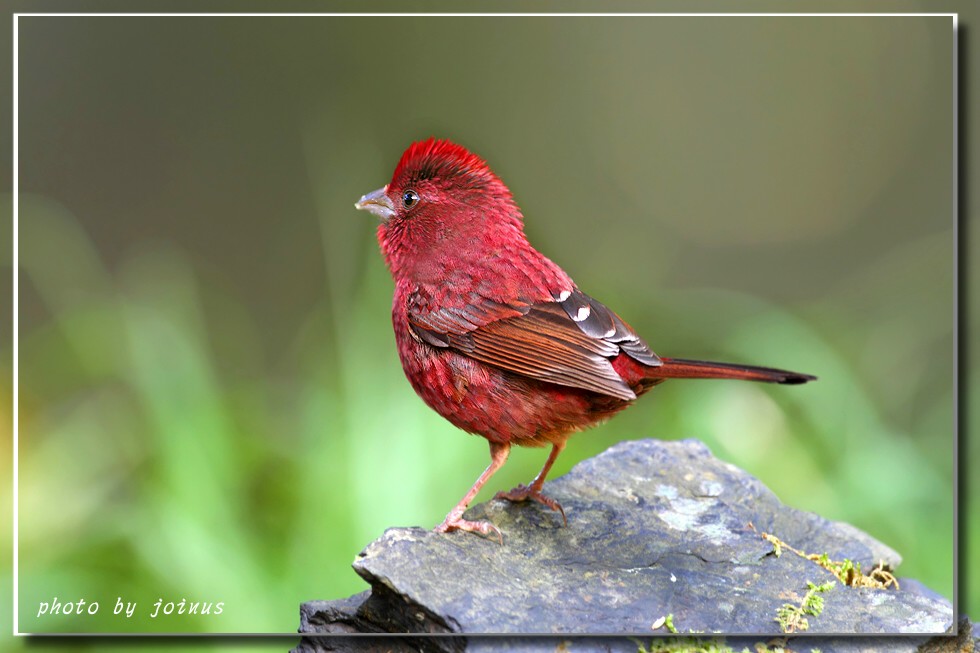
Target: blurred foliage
x=211, y=405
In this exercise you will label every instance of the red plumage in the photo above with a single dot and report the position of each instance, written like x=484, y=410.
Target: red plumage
x=440, y=158
x=494, y=336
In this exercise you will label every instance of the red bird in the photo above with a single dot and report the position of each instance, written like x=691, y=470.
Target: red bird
x=495, y=337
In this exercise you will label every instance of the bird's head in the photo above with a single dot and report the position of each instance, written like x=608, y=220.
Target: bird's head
x=443, y=203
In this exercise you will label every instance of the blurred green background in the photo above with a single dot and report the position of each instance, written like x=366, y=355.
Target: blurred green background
x=211, y=406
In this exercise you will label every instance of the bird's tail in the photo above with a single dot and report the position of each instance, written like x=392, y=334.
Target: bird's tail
x=679, y=368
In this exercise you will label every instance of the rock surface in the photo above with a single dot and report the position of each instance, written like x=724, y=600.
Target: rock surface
x=654, y=529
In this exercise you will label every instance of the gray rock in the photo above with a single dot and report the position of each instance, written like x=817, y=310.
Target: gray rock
x=654, y=529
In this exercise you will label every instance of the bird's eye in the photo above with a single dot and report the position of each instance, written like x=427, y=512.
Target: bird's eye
x=410, y=198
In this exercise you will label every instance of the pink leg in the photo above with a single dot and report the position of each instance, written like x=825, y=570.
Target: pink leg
x=454, y=520
x=533, y=491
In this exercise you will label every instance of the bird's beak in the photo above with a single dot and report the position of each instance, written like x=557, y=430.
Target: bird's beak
x=377, y=203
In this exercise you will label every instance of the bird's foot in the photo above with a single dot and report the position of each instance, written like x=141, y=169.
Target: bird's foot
x=529, y=492
x=455, y=522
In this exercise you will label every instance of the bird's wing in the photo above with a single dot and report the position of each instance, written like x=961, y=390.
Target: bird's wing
x=569, y=341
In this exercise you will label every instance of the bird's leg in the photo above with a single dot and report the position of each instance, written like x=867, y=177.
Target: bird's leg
x=454, y=520
x=533, y=491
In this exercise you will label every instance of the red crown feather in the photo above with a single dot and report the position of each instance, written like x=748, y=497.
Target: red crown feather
x=435, y=158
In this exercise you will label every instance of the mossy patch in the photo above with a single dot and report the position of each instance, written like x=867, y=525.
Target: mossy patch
x=793, y=618
x=716, y=645
x=665, y=622
x=847, y=572
x=689, y=645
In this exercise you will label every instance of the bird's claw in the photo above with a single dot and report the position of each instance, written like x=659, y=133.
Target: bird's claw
x=455, y=523
x=528, y=492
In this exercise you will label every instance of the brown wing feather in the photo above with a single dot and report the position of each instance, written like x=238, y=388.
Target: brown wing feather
x=570, y=341
x=546, y=345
